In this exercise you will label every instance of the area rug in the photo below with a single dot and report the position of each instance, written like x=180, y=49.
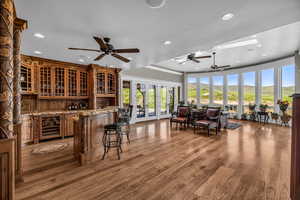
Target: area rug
x=50, y=148
x=232, y=125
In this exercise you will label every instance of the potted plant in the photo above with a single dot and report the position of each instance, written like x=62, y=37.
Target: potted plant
x=263, y=107
x=252, y=107
x=275, y=116
x=283, y=106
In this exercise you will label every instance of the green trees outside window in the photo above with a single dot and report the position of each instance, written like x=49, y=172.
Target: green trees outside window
x=233, y=89
x=204, y=90
x=192, y=90
x=218, y=82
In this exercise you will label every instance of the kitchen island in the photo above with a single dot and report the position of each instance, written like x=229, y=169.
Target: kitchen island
x=41, y=126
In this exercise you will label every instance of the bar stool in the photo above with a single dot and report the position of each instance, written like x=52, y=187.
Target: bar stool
x=124, y=121
x=112, y=138
x=113, y=133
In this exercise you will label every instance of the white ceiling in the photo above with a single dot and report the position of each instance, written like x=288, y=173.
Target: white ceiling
x=191, y=26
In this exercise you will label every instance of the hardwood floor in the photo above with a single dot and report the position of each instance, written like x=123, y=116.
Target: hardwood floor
x=252, y=162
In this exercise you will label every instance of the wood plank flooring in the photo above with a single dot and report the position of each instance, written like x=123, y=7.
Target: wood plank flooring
x=252, y=162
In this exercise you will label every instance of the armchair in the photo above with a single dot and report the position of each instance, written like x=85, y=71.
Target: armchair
x=181, y=116
x=211, y=120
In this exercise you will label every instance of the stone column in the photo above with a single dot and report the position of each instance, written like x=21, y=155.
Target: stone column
x=6, y=68
x=19, y=26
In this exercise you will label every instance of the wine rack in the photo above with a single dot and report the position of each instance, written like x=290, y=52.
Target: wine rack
x=59, y=82
x=100, y=77
x=26, y=79
x=83, y=84
x=45, y=81
x=50, y=127
x=72, y=82
x=111, y=83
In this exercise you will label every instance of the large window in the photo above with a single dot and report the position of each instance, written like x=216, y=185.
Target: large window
x=204, y=90
x=152, y=100
x=218, y=82
x=192, y=90
x=163, y=100
x=233, y=89
x=267, y=87
x=126, y=93
x=288, y=82
x=249, y=89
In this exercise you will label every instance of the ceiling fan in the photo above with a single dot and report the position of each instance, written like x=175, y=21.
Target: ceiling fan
x=216, y=67
x=107, y=49
x=192, y=57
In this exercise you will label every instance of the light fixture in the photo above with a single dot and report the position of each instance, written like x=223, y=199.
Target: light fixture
x=38, y=52
x=163, y=70
x=39, y=35
x=259, y=45
x=228, y=16
x=254, y=36
x=264, y=55
x=238, y=44
x=129, y=58
x=81, y=60
x=167, y=42
x=156, y=3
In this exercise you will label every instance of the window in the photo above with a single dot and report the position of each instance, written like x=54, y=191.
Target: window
x=163, y=100
x=192, y=90
x=140, y=100
x=126, y=93
x=288, y=82
x=267, y=87
x=172, y=99
x=249, y=89
x=218, y=82
x=152, y=101
x=204, y=90
x=288, y=85
x=233, y=89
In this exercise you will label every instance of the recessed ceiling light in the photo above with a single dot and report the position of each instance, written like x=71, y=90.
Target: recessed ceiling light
x=228, y=16
x=167, y=42
x=39, y=35
x=264, y=55
x=259, y=45
x=254, y=36
x=38, y=52
x=238, y=44
x=81, y=60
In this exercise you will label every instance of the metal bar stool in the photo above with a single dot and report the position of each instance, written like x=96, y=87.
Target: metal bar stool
x=112, y=139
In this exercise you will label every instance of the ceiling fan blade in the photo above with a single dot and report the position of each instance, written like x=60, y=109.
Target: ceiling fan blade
x=195, y=60
x=84, y=49
x=121, y=58
x=100, y=42
x=126, y=50
x=224, y=66
x=99, y=57
x=201, y=57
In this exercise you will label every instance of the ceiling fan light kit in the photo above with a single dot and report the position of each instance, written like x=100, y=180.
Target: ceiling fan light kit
x=156, y=3
x=107, y=49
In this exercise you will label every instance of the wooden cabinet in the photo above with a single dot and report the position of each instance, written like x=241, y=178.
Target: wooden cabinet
x=69, y=124
x=106, y=83
x=63, y=83
x=26, y=79
x=27, y=130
